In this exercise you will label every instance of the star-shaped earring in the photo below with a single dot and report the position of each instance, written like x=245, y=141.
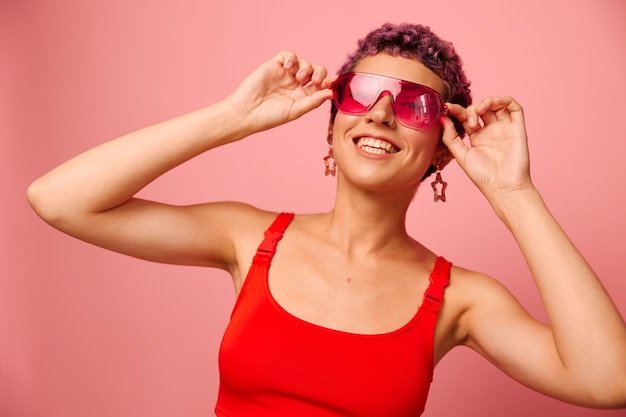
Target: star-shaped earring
x=439, y=196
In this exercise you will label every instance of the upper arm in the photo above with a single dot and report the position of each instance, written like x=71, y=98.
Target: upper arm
x=496, y=326
x=204, y=235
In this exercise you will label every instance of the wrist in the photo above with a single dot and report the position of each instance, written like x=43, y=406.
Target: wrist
x=223, y=123
x=512, y=204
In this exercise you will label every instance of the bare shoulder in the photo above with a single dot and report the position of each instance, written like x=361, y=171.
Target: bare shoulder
x=488, y=319
x=468, y=287
x=468, y=295
x=242, y=227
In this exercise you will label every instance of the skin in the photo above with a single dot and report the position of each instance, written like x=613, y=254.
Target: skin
x=356, y=268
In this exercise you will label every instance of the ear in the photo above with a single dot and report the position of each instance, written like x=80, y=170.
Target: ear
x=442, y=156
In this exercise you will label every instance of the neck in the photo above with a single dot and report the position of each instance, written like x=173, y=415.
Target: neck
x=367, y=221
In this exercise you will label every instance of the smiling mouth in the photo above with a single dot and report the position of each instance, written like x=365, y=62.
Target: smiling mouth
x=375, y=146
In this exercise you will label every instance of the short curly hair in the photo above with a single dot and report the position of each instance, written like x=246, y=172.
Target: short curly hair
x=415, y=41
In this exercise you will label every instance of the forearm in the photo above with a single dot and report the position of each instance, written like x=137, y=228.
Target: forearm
x=588, y=331
x=110, y=174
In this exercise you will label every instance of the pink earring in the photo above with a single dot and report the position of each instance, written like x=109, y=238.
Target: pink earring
x=439, y=196
x=327, y=159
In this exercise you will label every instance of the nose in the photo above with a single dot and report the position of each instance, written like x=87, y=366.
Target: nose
x=382, y=111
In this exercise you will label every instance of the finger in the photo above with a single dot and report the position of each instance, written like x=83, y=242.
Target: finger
x=466, y=116
x=516, y=110
x=328, y=81
x=320, y=82
x=321, y=90
x=453, y=141
x=305, y=71
x=495, y=109
x=313, y=99
x=502, y=109
x=485, y=110
x=458, y=111
x=289, y=61
x=319, y=74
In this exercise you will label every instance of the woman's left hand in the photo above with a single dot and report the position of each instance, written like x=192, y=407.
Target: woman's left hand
x=496, y=159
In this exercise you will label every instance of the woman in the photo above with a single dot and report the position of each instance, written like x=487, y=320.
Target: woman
x=351, y=319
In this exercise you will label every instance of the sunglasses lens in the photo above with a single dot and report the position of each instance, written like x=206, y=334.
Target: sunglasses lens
x=414, y=105
x=417, y=107
x=353, y=95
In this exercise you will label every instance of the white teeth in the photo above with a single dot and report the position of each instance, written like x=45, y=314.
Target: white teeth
x=376, y=146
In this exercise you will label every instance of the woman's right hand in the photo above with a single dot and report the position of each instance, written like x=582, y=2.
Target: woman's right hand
x=279, y=91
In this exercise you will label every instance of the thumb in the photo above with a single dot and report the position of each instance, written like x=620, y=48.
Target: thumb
x=453, y=141
x=310, y=102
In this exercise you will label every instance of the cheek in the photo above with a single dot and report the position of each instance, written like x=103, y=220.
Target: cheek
x=342, y=125
x=343, y=121
x=428, y=139
x=436, y=131
x=434, y=136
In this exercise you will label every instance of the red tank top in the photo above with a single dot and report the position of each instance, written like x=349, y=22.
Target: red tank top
x=275, y=364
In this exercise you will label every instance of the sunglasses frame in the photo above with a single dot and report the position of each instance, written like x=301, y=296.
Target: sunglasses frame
x=385, y=83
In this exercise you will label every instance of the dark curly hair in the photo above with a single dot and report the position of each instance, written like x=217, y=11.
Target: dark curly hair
x=416, y=42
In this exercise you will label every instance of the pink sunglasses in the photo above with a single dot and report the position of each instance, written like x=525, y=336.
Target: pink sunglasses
x=414, y=105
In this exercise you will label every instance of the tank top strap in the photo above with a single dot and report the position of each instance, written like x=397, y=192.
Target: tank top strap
x=439, y=279
x=267, y=248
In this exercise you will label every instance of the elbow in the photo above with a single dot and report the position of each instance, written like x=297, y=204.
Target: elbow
x=616, y=391
x=610, y=396
x=611, y=402
x=620, y=398
x=35, y=198
x=44, y=203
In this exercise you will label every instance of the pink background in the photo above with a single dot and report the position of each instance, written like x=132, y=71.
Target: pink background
x=86, y=332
